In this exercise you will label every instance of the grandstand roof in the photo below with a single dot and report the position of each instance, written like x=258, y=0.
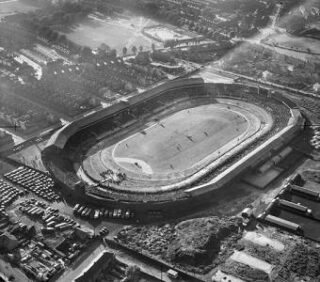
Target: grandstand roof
x=60, y=138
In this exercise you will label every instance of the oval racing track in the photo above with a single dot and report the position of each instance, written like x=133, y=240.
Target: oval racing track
x=141, y=174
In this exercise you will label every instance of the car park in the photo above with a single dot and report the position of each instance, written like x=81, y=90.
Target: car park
x=37, y=182
x=8, y=193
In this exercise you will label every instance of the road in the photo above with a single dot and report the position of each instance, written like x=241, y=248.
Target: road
x=71, y=273
x=31, y=141
x=152, y=270
x=93, y=253
x=150, y=266
x=229, y=74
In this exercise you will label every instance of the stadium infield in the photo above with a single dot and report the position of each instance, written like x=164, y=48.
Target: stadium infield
x=179, y=141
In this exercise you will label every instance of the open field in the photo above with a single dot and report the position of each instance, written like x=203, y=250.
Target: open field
x=165, y=33
x=10, y=7
x=115, y=32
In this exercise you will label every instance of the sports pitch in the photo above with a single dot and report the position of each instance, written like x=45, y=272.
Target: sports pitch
x=179, y=141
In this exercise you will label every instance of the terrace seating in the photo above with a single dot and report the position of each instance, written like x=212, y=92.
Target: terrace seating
x=133, y=197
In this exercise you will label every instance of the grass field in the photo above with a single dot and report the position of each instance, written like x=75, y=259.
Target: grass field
x=11, y=7
x=115, y=32
x=179, y=141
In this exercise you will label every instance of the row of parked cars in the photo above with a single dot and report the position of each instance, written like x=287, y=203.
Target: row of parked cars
x=8, y=194
x=92, y=213
x=315, y=140
x=34, y=181
x=53, y=221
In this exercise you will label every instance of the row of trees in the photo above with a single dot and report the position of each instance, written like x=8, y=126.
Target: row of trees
x=134, y=49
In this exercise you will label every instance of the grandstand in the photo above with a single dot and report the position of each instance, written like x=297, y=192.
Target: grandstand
x=176, y=142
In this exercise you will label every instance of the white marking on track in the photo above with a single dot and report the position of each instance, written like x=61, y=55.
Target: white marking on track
x=141, y=164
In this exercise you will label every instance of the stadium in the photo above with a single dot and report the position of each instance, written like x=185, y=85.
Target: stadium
x=172, y=145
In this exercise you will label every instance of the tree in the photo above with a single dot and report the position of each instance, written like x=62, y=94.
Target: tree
x=153, y=47
x=45, y=31
x=113, y=53
x=124, y=51
x=151, y=8
x=295, y=24
x=54, y=36
x=104, y=47
x=86, y=52
x=134, y=50
x=62, y=38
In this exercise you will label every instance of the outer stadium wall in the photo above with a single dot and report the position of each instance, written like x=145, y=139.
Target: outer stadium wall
x=192, y=195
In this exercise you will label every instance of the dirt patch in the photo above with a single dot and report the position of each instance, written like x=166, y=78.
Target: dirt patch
x=302, y=261
x=311, y=175
x=198, y=241
x=267, y=254
x=244, y=272
x=298, y=261
x=196, y=245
